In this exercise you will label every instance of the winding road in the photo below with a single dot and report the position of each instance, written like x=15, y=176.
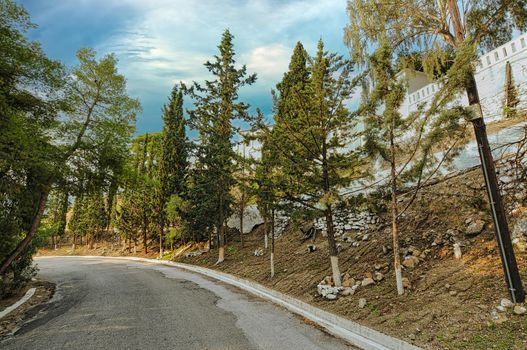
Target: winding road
x=119, y=304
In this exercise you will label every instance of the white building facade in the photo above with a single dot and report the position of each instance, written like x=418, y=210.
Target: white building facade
x=490, y=78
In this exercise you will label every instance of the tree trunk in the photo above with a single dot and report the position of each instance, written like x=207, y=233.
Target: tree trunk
x=395, y=214
x=63, y=215
x=395, y=237
x=145, y=245
x=329, y=221
x=332, y=247
x=272, y=243
x=31, y=233
x=221, y=250
x=242, y=209
x=91, y=241
x=265, y=230
x=161, y=252
x=221, y=233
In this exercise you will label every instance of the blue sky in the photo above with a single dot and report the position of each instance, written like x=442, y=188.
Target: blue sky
x=161, y=42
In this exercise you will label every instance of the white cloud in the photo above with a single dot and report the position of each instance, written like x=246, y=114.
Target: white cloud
x=270, y=62
x=167, y=41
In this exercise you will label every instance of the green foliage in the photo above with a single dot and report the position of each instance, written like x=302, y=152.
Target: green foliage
x=308, y=142
x=215, y=107
x=30, y=99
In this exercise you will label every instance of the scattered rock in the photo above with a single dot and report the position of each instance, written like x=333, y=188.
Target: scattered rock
x=410, y=261
x=362, y=303
x=475, y=228
x=328, y=280
x=414, y=251
x=437, y=241
x=378, y=276
x=311, y=248
x=258, y=252
x=406, y=283
x=327, y=291
x=452, y=293
x=412, y=336
x=331, y=296
x=194, y=253
x=457, y=251
x=506, y=303
x=348, y=291
x=365, y=237
x=519, y=310
x=348, y=282
x=498, y=317
x=520, y=228
x=367, y=281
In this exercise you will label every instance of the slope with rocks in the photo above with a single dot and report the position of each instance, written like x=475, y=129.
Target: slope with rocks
x=452, y=269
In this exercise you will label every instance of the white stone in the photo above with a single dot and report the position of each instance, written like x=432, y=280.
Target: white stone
x=506, y=303
x=519, y=310
x=331, y=297
x=362, y=303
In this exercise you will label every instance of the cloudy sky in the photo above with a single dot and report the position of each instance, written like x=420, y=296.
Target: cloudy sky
x=161, y=42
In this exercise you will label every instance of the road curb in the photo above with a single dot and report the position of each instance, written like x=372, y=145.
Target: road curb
x=30, y=292
x=356, y=334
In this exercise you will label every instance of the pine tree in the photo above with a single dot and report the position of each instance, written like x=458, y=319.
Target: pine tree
x=436, y=28
x=312, y=127
x=173, y=167
x=216, y=107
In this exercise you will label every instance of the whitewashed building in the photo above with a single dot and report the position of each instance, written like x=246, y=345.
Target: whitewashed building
x=490, y=79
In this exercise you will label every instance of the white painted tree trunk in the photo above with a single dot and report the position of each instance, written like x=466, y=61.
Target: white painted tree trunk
x=399, y=280
x=335, y=270
x=221, y=255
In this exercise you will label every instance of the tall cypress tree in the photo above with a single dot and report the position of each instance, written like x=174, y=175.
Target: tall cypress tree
x=174, y=163
x=216, y=106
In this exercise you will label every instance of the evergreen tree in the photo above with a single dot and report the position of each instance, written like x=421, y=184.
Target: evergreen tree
x=173, y=166
x=312, y=127
x=216, y=106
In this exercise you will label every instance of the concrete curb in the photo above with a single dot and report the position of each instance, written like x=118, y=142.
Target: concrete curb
x=26, y=297
x=356, y=334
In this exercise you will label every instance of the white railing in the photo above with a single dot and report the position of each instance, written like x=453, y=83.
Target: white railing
x=503, y=53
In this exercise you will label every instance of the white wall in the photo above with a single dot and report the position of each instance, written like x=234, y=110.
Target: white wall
x=490, y=78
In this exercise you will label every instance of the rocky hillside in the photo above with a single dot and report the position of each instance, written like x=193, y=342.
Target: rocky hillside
x=456, y=296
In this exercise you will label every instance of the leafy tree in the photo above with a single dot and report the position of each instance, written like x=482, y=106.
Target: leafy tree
x=312, y=127
x=99, y=113
x=216, y=107
x=29, y=102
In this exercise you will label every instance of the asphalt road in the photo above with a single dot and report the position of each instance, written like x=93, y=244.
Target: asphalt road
x=117, y=304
